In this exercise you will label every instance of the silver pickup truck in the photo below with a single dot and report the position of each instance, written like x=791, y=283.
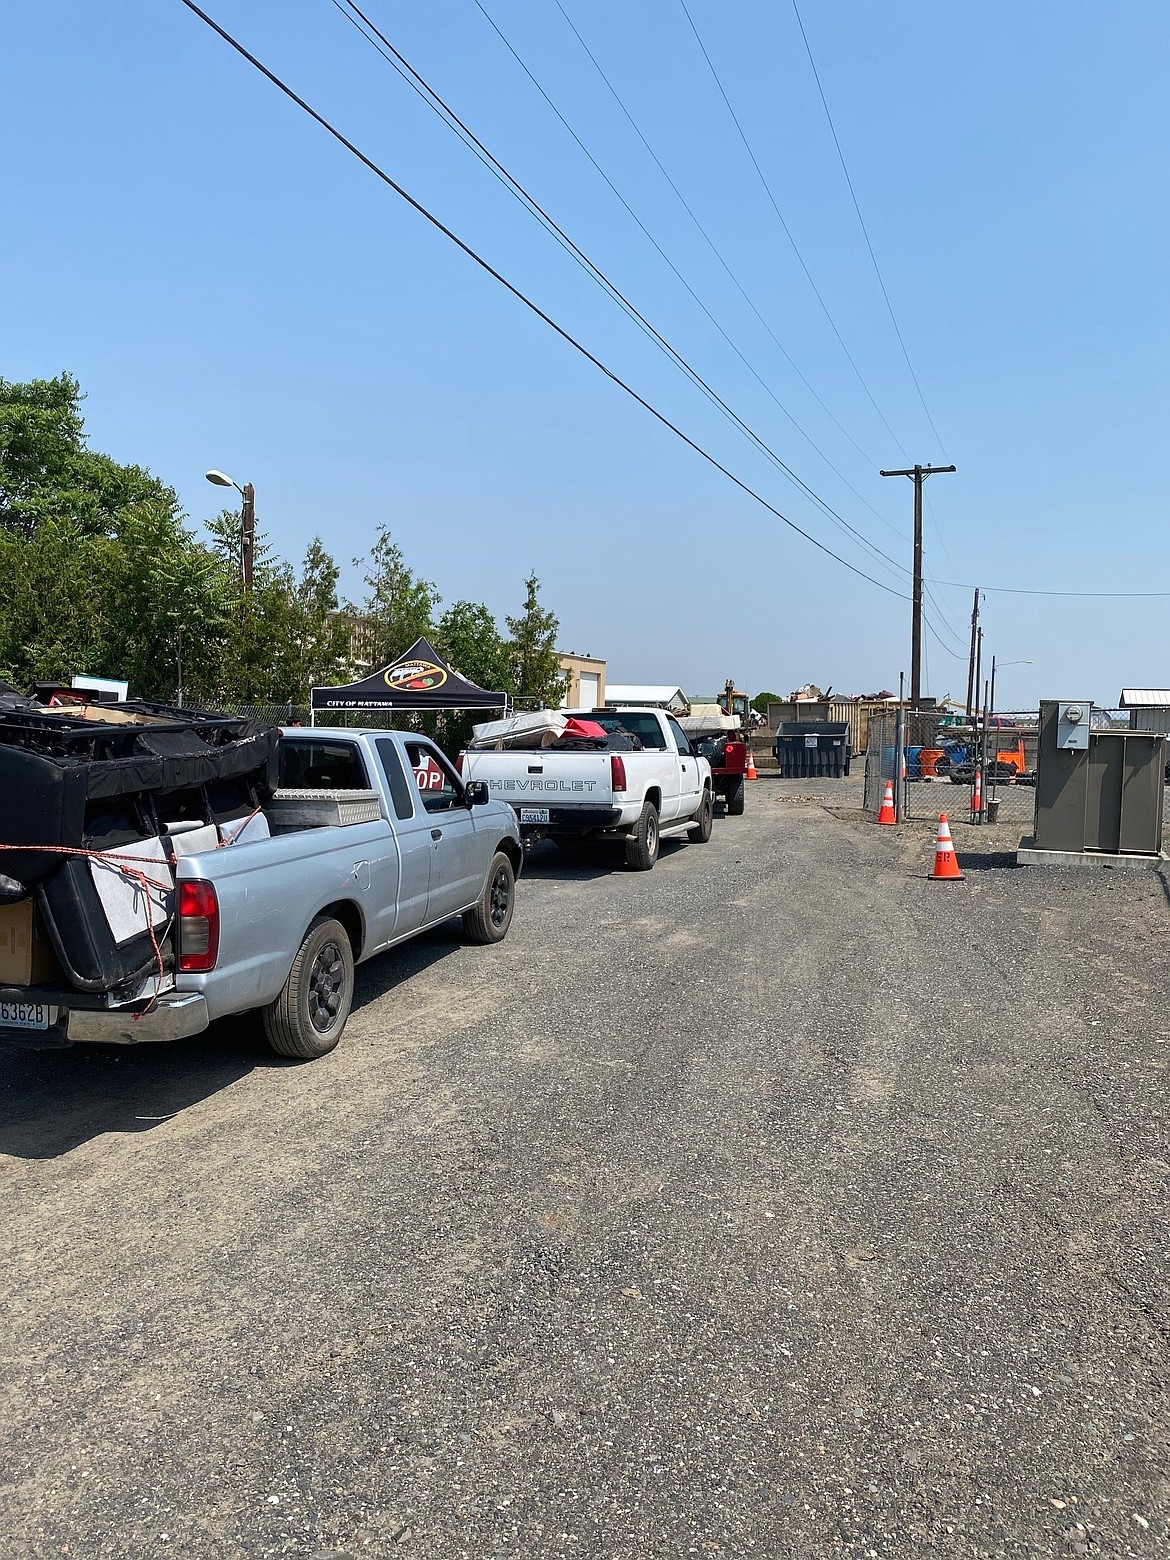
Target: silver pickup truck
x=278, y=923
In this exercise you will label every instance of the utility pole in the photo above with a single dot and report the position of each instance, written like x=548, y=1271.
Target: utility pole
x=971, y=678
x=247, y=535
x=917, y=475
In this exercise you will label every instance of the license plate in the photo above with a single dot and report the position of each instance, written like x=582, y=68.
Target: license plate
x=26, y=1015
x=534, y=815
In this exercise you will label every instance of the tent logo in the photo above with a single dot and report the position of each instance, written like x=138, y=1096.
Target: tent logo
x=415, y=676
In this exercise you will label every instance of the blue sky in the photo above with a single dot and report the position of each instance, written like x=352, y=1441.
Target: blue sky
x=233, y=289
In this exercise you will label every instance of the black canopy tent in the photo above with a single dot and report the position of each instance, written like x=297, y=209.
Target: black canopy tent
x=418, y=680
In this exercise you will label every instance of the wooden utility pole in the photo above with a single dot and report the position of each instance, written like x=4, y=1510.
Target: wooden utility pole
x=917, y=475
x=247, y=535
x=972, y=681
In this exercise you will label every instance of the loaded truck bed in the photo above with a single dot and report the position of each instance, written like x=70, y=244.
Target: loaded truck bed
x=367, y=839
x=641, y=781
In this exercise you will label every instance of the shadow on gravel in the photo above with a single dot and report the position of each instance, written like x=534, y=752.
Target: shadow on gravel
x=547, y=862
x=986, y=861
x=386, y=971
x=53, y=1101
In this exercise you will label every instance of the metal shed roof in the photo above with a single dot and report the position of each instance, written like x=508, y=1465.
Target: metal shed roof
x=644, y=693
x=1145, y=699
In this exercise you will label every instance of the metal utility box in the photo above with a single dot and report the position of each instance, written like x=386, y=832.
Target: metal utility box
x=1097, y=790
x=1072, y=724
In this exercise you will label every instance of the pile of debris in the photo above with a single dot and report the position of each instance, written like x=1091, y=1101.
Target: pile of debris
x=547, y=729
x=101, y=799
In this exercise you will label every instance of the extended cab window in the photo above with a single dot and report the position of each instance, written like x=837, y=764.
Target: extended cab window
x=438, y=784
x=395, y=777
x=321, y=766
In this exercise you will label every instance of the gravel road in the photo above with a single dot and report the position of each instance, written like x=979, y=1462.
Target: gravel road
x=777, y=1202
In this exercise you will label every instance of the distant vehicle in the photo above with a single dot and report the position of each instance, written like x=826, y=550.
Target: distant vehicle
x=722, y=734
x=641, y=783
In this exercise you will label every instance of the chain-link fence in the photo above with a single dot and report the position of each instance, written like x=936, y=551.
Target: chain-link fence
x=939, y=764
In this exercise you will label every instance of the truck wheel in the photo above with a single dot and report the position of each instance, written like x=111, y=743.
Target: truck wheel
x=642, y=845
x=701, y=832
x=735, y=799
x=307, y=1018
x=489, y=919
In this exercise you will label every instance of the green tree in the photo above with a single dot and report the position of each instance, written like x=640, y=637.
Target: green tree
x=398, y=605
x=48, y=473
x=762, y=700
x=468, y=636
x=532, y=649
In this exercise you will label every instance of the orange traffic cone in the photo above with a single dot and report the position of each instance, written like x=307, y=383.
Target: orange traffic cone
x=977, y=795
x=946, y=863
x=750, y=772
x=887, y=814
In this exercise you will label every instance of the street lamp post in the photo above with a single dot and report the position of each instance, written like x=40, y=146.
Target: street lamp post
x=994, y=777
x=247, y=523
x=1003, y=663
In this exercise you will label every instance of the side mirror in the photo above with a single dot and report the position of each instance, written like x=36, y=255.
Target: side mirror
x=476, y=793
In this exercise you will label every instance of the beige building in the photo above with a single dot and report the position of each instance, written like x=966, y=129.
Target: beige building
x=584, y=682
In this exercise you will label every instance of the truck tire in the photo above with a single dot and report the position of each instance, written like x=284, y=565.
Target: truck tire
x=489, y=918
x=642, y=845
x=701, y=833
x=307, y=1018
x=735, y=799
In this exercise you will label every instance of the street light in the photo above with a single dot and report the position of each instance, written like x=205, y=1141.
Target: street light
x=986, y=733
x=247, y=521
x=991, y=705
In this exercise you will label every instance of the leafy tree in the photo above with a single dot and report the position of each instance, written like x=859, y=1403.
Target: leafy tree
x=398, y=606
x=536, y=670
x=762, y=700
x=467, y=635
x=48, y=473
x=53, y=620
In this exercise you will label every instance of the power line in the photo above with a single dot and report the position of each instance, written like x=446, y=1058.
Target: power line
x=1080, y=595
x=946, y=649
x=494, y=25
x=447, y=114
x=523, y=298
x=609, y=373
x=784, y=225
x=864, y=229
x=943, y=620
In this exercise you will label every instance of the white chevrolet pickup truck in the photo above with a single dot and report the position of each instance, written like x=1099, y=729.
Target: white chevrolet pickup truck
x=644, y=784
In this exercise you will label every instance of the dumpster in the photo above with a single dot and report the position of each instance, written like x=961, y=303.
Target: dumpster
x=813, y=749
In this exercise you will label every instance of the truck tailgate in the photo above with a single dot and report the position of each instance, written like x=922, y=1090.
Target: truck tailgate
x=537, y=778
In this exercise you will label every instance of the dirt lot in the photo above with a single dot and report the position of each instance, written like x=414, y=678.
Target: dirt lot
x=776, y=1202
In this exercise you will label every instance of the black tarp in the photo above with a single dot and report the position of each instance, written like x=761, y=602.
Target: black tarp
x=418, y=680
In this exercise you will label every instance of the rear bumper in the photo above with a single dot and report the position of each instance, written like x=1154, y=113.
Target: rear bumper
x=565, y=822
x=175, y=1016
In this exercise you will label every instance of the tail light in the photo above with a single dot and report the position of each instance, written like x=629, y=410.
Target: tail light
x=459, y=763
x=617, y=772
x=198, y=926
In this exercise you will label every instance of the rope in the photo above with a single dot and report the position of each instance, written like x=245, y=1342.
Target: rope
x=235, y=834
x=135, y=875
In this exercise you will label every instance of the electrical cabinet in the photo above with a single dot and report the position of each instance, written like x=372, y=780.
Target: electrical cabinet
x=1097, y=790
